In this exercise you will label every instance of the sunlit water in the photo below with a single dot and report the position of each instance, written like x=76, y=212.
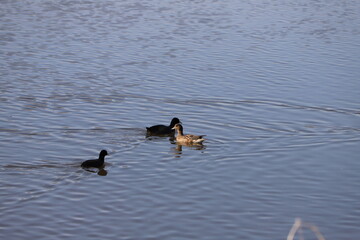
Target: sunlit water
x=273, y=84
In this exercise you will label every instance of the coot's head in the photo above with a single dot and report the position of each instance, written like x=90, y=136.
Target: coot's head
x=103, y=153
x=174, y=121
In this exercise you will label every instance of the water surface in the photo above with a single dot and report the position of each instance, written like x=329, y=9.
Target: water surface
x=274, y=86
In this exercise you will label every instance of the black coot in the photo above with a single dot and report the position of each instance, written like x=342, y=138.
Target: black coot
x=162, y=129
x=96, y=163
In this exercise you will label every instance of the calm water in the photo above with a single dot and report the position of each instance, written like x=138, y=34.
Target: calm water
x=273, y=84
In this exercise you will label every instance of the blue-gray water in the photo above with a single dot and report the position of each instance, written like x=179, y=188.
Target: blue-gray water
x=273, y=84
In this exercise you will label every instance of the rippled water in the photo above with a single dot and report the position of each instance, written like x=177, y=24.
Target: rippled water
x=273, y=84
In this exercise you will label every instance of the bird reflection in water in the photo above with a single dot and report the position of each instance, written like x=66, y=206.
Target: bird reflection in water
x=100, y=171
x=157, y=137
x=179, y=147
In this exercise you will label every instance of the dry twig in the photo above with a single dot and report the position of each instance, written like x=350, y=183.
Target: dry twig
x=298, y=227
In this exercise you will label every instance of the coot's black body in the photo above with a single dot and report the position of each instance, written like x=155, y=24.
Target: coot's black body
x=162, y=129
x=96, y=163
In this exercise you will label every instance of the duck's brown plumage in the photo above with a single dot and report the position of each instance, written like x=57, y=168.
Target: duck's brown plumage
x=188, y=138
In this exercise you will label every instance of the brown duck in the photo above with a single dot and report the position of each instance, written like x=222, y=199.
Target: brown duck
x=188, y=138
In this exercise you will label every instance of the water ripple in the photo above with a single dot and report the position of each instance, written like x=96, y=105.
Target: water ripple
x=274, y=86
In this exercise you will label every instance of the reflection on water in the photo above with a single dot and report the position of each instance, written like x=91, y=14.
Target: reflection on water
x=179, y=146
x=155, y=137
x=178, y=149
x=100, y=171
x=273, y=86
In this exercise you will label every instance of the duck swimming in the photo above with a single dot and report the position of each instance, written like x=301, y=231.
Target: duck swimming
x=96, y=163
x=188, y=138
x=162, y=129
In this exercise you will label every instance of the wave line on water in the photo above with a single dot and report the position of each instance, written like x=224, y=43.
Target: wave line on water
x=216, y=101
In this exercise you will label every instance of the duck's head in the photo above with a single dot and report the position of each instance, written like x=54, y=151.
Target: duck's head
x=103, y=153
x=178, y=127
x=174, y=121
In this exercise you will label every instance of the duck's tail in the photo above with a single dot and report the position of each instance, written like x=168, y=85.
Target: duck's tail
x=200, y=139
